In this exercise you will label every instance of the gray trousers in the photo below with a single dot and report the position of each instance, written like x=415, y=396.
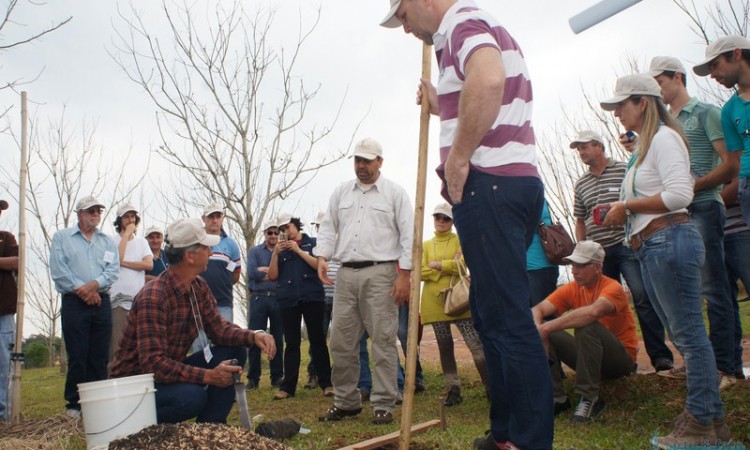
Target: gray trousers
x=362, y=301
x=594, y=353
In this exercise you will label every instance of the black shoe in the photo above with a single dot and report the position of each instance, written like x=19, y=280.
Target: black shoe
x=251, y=384
x=562, y=406
x=312, y=382
x=663, y=364
x=453, y=397
x=485, y=442
x=587, y=409
x=381, y=417
x=334, y=414
x=419, y=386
x=276, y=382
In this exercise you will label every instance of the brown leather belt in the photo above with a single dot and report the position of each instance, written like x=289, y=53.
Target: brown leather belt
x=636, y=240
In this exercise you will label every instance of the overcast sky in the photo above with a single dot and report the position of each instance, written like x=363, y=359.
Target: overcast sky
x=377, y=68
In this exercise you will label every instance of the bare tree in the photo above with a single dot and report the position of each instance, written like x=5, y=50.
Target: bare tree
x=64, y=164
x=232, y=110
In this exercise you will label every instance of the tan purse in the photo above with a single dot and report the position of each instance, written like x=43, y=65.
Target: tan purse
x=456, y=297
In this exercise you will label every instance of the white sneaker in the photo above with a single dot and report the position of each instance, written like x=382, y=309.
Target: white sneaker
x=73, y=413
x=725, y=380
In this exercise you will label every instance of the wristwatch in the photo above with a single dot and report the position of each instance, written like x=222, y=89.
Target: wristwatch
x=627, y=210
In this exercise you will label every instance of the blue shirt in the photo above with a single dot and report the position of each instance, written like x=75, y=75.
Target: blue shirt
x=259, y=256
x=735, y=121
x=535, y=257
x=224, y=262
x=160, y=265
x=74, y=260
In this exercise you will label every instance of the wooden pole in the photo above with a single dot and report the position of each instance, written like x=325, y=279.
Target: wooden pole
x=17, y=358
x=416, y=257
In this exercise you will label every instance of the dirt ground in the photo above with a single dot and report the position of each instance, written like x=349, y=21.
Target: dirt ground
x=428, y=351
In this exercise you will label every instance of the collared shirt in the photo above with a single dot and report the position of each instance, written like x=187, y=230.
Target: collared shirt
x=592, y=190
x=735, y=122
x=259, y=256
x=224, y=262
x=161, y=329
x=368, y=223
x=160, y=265
x=509, y=147
x=701, y=124
x=74, y=260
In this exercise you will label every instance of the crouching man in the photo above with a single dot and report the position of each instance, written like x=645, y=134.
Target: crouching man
x=165, y=319
x=604, y=343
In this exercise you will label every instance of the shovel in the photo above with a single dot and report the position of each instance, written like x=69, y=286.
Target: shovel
x=239, y=392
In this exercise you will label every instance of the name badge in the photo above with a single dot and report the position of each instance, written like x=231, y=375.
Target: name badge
x=207, y=354
x=231, y=265
x=109, y=257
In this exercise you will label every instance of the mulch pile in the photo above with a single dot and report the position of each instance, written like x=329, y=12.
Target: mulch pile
x=51, y=433
x=195, y=436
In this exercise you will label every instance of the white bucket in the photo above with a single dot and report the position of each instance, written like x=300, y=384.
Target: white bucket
x=115, y=408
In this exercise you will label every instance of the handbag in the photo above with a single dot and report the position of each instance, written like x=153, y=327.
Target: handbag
x=556, y=242
x=456, y=296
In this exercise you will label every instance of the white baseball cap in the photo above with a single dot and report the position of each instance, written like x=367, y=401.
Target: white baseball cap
x=444, y=209
x=629, y=85
x=153, y=229
x=586, y=252
x=88, y=202
x=369, y=149
x=390, y=20
x=187, y=232
x=212, y=208
x=718, y=47
x=661, y=64
x=127, y=207
x=586, y=136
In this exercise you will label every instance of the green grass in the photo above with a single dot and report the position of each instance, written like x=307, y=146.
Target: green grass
x=637, y=408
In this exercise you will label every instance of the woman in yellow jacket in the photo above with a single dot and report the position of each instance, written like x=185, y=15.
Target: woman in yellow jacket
x=439, y=265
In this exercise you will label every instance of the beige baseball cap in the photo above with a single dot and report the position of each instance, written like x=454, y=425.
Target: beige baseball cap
x=368, y=148
x=390, y=20
x=661, y=64
x=444, y=209
x=586, y=252
x=283, y=219
x=187, y=232
x=88, y=202
x=212, y=208
x=637, y=84
x=152, y=229
x=722, y=45
x=127, y=207
x=586, y=136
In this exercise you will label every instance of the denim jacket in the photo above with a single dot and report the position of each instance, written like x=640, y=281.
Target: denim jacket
x=297, y=281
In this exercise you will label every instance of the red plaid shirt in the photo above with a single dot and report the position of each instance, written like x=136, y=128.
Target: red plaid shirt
x=161, y=328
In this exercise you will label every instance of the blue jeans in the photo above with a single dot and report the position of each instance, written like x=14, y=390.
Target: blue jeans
x=737, y=257
x=709, y=217
x=620, y=260
x=496, y=221
x=365, y=375
x=7, y=342
x=177, y=402
x=265, y=309
x=671, y=262
x=87, y=331
x=403, y=333
x=542, y=282
x=743, y=191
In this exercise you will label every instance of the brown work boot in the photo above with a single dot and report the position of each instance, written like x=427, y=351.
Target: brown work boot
x=723, y=433
x=688, y=431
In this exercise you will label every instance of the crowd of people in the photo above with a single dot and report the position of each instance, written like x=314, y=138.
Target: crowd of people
x=671, y=224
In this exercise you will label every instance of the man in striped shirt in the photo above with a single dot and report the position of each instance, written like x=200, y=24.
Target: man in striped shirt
x=488, y=168
x=711, y=167
x=601, y=186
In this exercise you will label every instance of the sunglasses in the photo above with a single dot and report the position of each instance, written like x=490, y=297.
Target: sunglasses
x=442, y=218
x=272, y=233
x=93, y=211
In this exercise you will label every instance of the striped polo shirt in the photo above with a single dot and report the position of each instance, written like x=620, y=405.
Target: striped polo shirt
x=701, y=124
x=591, y=191
x=508, y=148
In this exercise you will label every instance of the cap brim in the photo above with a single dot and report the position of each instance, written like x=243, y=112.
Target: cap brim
x=702, y=69
x=655, y=73
x=390, y=20
x=208, y=213
x=92, y=205
x=210, y=240
x=577, y=259
x=575, y=144
x=367, y=156
x=611, y=104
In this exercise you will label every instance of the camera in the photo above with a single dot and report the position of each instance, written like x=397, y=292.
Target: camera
x=282, y=236
x=600, y=213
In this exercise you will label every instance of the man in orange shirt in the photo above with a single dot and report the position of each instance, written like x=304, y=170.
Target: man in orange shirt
x=604, y=344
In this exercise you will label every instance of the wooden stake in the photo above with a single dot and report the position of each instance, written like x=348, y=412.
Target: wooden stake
x=391, y=438
x=16, y=380
x=416, y=257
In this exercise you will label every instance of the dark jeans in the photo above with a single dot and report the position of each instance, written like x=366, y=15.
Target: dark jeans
x=403, y=333
x=542, y=282
x=737, y=257
x=313, y=315
x=87, y=331
x=594, y=353
x=496, y=221
x=709, y=217
x=620, y=260
x=327, y=314
x=176, y=402
x=265, y=309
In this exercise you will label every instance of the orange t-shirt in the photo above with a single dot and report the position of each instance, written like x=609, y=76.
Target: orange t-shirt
x=620, y=323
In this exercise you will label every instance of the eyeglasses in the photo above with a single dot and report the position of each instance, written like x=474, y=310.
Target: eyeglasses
x=442, y=218
x=272, y=233
x=93, y=211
